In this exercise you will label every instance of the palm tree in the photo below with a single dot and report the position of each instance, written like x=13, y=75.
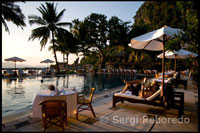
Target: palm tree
x=13, y=13
x=66, y=44
x=50, y=25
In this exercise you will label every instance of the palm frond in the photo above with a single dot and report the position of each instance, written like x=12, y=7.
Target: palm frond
x=42, y=10
x=44, y=40
x=64, y=24
x=5, y=25
x=41, y=32
x=13, y=13
x=33, y=19
x=59, y=16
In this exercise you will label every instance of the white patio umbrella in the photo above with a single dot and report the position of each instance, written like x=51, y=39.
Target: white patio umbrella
x=180, y=54
x=47, y=61
x=155, y=41
x=15, y=59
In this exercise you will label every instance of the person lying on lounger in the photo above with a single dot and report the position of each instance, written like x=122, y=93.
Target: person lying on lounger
x=144, y=91
x=147, y=91
x=133, y=86
x=51, y=88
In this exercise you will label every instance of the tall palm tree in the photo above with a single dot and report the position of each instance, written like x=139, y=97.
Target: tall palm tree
x=50, y=25
x=13, y=13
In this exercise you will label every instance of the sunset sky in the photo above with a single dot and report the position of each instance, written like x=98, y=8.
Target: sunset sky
x=16, y=43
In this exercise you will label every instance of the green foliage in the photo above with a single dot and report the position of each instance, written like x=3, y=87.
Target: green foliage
x=91, y=58
x=96, y=31
x=189, y=10
x=12, y=12
x=156, y=14
x=118, y=30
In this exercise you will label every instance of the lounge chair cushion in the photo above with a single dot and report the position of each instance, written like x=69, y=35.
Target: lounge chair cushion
x=152, y=97
x=128, y=94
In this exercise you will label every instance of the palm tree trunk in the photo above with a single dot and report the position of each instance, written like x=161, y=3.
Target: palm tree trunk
x=67, y=59
x=54, y=51
x=64, y=64
x=63, y=57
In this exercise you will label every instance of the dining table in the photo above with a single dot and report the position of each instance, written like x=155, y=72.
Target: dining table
x=70, y=96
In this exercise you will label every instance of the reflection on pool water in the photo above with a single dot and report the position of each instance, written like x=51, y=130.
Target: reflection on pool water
x=18, y=94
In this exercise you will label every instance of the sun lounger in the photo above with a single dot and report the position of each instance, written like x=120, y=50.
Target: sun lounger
x=121, y=71
x=117, y=71
x=104, y=70
x=129, y=71
x=111, y=70
x=21, y=73
x=52, y=71
x=45, y=72
x=153, y=71
x=127, y=96
x=155, y=99
x=9, y=72
x=147, y=72
x=134, y=71
x=176, y=81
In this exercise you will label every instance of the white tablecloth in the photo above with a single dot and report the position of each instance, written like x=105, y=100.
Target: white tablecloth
x=69, y=96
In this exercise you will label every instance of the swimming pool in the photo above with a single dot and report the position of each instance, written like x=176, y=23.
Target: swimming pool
x=18, y=94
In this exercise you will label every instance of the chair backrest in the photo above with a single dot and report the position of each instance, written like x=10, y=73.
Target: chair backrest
x=91, y=94
x=51, y=108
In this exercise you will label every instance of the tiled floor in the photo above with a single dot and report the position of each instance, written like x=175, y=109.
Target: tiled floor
x=126, y=117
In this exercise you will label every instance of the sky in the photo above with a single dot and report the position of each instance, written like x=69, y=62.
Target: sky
x=16, y=43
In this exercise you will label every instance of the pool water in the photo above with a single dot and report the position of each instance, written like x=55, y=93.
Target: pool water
x=18, y=94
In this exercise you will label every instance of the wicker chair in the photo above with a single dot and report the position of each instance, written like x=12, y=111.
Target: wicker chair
x=82, y=101
x=55, y=110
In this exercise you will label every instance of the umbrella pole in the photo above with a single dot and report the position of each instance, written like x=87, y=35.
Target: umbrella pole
x=15, y=69
x=163, y=66
x=175, y=64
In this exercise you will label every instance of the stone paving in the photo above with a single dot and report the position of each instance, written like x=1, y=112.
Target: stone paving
x=126, y=117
